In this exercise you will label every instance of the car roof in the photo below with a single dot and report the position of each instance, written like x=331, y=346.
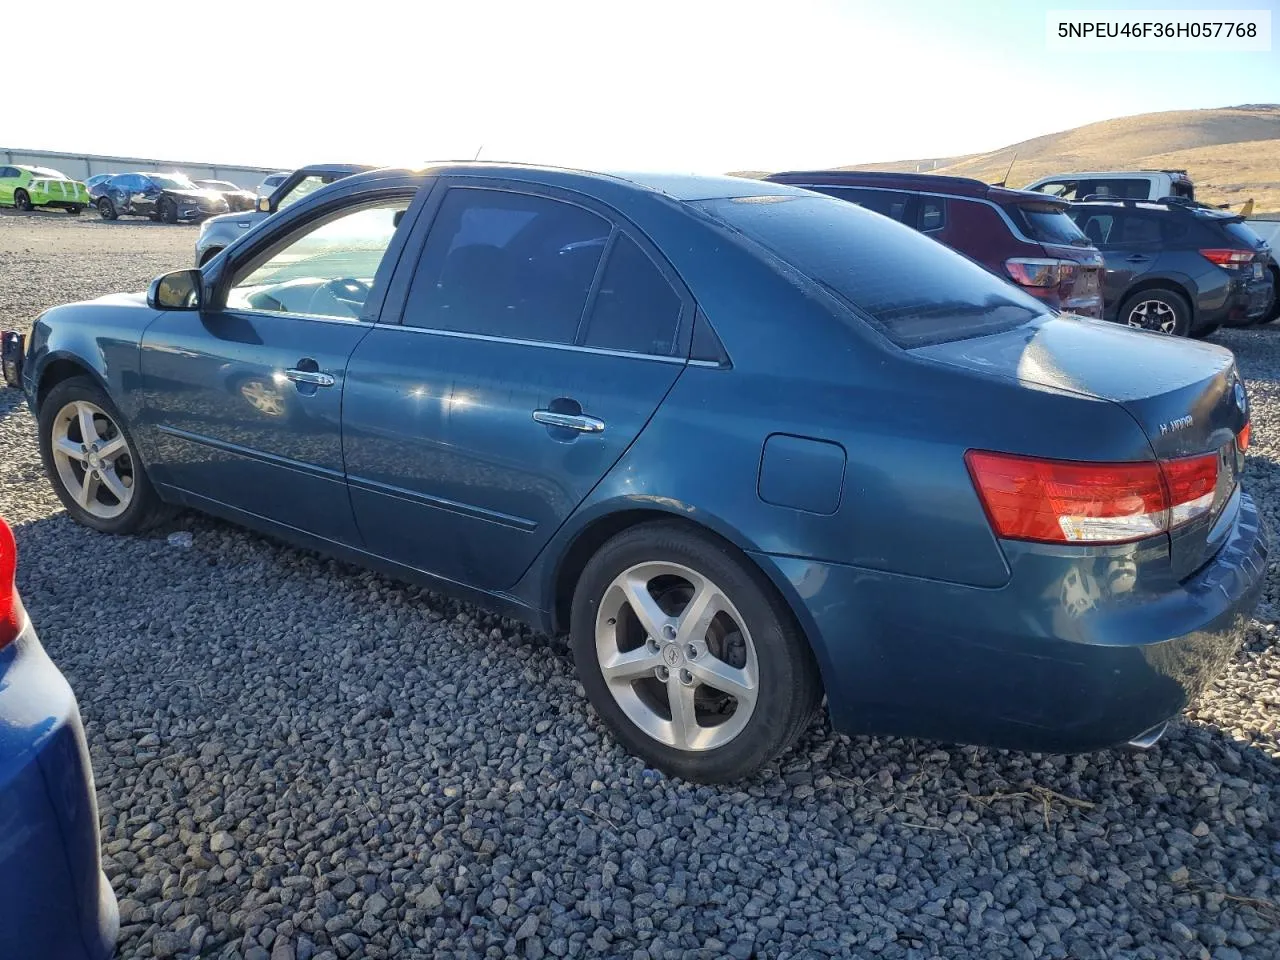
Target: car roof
x=1114, y=174
x=347, y=168
x=687, y=187
x=923, y=182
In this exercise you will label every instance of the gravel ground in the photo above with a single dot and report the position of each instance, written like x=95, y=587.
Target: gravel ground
x=298, y=759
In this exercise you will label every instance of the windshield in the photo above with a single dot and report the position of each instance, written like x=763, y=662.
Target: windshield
x=173, y=182
x=1045, y=223
x=912, y=288
x=217, y=185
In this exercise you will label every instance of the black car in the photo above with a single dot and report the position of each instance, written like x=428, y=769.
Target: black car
x=1177, y=267
x=170, y=197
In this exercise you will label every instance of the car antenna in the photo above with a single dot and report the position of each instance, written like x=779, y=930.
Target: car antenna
x=478, y=149
x=1005, y=181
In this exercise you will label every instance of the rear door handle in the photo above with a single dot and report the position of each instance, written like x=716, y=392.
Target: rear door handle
x=569, y=421
x=313, y=377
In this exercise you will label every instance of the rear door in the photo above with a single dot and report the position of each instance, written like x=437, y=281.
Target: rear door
x=538, y=335
x=1129, y=240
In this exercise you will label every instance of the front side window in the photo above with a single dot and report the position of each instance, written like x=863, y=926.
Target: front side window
x=913, y=289
x=328, y=271
x=507, y=264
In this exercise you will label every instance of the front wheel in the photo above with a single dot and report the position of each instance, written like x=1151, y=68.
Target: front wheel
x=22, y=200
x=168, y=211
x=1158, y=310
x=689, y=654
x=91, y=459
x=106, y=209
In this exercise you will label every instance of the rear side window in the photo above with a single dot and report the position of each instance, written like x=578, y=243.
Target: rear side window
x=506, y=264
x=1124, y=188
x=889, y=203
x=912, y=288
x=933, y=214
x=1045, y=223
x=635, y=309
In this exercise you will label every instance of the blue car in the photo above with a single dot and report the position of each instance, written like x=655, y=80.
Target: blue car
x=55, y=901
x=748, y=445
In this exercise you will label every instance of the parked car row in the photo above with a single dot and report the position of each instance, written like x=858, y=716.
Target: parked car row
x=171, y=197
x=1166, y=263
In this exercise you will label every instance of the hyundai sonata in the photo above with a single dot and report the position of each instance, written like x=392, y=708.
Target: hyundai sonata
x=748, y=445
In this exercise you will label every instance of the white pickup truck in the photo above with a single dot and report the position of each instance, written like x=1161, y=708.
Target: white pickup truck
x=1117, y=184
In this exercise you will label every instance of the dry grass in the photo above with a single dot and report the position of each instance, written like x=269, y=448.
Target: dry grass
x=1232, y=153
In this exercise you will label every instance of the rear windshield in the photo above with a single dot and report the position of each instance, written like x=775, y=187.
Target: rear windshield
x=1243, y=233
x=913, y=289
x=1047, y=224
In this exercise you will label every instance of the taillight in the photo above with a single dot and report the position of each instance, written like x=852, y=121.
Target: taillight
x=1242, y=438
x=1231, y=259
x=1066, y=501
x=1040, y=271
x=10, y=606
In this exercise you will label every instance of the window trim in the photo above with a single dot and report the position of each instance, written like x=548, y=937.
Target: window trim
x=415, y=244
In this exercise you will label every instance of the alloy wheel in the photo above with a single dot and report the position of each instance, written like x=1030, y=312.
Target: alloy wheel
x=677, y=656
x=93, y=459
x=1153, y=315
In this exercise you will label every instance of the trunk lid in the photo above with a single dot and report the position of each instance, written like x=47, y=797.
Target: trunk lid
x=1187, y=397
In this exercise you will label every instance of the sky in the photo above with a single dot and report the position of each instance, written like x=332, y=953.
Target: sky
x=698, y=85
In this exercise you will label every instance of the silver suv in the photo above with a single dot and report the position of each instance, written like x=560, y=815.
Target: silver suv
x=217, y=233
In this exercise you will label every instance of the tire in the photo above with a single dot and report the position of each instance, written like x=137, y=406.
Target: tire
x=1159, y=310
x=22, y=200
x=209, y=255
x=74, y=210
x=107, y=209
x=89, y=499
x=1273, y=312
x=168, y=210
x=1201, y=333
x=754, y=634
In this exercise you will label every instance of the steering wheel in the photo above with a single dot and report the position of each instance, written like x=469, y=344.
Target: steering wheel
x=346, y=290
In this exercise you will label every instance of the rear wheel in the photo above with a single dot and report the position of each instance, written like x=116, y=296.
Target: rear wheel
x=690, y=655
x=1273, y=311
x=91, y=459
x=106, y=209
x=1158, y=310
x=74, y=209
x=22, y=200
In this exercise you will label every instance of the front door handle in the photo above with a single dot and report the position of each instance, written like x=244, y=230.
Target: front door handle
x=1137, y=258
x=569, y=421
x=313, y=377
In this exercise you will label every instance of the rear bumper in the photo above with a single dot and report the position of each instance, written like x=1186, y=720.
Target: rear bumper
x=54, y=899
x=1075, y=653
x=1248, y=301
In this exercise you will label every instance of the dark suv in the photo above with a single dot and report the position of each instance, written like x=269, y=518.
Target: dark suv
x=1177, y=267
x=1020, y=236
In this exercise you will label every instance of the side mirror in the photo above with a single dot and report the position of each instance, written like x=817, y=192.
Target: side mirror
x=179, y=290
x=264, y=204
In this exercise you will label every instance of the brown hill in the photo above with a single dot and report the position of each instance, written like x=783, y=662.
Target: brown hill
x=1232, y=153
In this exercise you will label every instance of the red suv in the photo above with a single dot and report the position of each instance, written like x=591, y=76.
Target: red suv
x=1018, y=235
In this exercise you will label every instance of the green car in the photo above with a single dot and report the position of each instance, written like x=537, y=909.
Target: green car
x=29, y=187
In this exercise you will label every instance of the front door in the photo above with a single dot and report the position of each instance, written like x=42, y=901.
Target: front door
x=243, y=401
x=537, y=339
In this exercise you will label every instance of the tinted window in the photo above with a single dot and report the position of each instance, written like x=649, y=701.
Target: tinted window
x=1139, y=189
x=507, y=265
x=635, y=309
x=913, y=288
x=328, y=271
x=932, y=214
x=1134, y=226
x=889, y=203
x=1046, y=224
